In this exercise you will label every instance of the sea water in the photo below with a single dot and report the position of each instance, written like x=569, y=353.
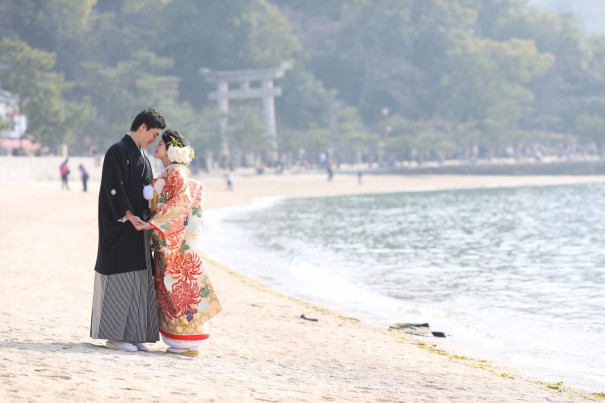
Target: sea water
x=515, y=275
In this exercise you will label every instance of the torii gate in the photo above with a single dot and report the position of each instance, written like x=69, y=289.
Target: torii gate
x=266, y=91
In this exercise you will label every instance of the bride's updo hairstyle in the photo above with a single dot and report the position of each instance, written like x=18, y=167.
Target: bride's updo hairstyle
x=174, y=138
x=177, y=147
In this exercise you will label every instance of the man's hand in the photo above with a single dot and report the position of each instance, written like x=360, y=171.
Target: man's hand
x=136, y=222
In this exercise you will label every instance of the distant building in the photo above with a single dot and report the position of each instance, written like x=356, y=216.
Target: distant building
x=9, y=112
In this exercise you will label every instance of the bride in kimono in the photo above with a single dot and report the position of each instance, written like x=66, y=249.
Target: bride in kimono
x=186, y=299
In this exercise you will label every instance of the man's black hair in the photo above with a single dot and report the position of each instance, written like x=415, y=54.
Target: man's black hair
x=151, y=118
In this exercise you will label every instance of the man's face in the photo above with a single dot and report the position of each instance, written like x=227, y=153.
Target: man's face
x=149, y=136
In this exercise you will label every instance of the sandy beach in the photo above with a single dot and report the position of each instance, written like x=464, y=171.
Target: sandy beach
x=260, y=349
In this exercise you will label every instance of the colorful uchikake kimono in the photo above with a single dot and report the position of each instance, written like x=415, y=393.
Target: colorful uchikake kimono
x=186, y=298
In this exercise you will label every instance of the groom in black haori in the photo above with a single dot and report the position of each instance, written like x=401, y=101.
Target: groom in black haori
x=124, y=303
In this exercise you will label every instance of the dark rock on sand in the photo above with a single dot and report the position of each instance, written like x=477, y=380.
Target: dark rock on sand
x=419, y=329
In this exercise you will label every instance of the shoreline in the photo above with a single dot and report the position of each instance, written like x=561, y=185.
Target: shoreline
x=410, y=182
x=260, y=348
x=466, y=342
x=314, y=311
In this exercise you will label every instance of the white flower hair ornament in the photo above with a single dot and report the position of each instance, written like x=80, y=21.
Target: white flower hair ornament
x=178, y=153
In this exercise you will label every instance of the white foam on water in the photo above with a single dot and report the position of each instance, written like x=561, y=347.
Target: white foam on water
x=550, y=353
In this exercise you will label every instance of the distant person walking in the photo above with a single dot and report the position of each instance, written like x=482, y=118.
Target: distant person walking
x=64, y=169
x=230, y=180
x=84, y=175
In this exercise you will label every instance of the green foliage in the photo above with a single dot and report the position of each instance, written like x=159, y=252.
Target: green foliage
x=343, y=132
x=301, y=88
x=246, y=131
x=406, y=134
x=44, y=24
x=348, y=134
x=57, y=26
x=558, y=93
x=41, y=90
x=451, y=72
x=591, y=127
x=488, y=84
x=206, y=135
x=221, y=35
x=120, y=92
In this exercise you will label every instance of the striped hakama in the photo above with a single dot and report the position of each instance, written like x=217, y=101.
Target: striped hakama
x=124, y=307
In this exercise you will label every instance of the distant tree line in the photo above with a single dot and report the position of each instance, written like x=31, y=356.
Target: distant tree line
x=370, y=79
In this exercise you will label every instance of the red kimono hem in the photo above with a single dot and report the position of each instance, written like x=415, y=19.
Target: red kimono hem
x=185, y=336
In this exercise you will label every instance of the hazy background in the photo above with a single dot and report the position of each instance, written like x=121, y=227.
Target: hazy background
x=589, y=14
x=390, y=80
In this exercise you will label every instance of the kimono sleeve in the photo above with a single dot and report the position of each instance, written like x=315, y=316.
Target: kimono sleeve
x=114, y=182
x=171, y=217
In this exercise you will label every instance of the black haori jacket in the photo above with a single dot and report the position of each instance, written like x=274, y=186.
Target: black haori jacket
x=125, y=172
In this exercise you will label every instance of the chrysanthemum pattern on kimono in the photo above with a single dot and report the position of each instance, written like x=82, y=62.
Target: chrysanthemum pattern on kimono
x=186, y=299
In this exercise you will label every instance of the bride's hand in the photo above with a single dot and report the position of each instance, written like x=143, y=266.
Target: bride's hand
x=146, y=226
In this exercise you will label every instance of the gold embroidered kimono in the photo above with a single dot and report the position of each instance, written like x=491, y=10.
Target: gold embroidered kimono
x=186, y=299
